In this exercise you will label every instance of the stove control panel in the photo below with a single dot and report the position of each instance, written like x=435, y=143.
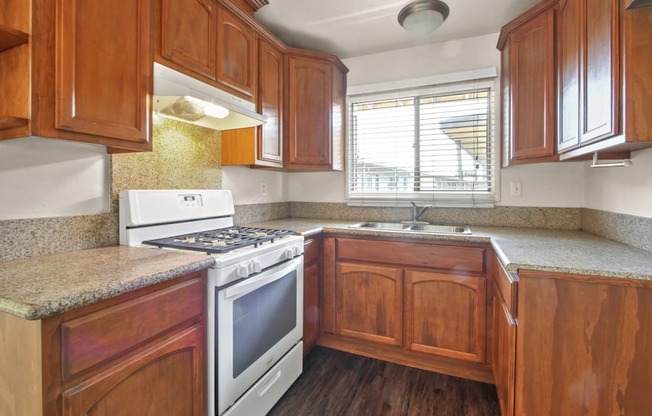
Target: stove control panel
x=190, y=200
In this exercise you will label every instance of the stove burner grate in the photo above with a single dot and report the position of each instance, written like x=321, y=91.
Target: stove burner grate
x=220, y=240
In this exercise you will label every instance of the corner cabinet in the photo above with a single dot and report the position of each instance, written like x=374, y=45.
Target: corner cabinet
x=422, y=304
x=142, y=353
x=88, y=67
x=527, y=45
x=314, y=111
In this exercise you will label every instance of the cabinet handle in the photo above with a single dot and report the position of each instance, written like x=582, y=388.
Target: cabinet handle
x=512, y=321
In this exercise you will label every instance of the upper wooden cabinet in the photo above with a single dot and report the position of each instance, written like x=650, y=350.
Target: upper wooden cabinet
x=528, y=50
x=236, y=54
x=262, y=145
x=589, y=76
x=87, y=69
x=207, y=40
x=188, y=34
x=316, y=88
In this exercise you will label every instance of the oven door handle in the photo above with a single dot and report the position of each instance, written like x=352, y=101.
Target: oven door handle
x=257, y=282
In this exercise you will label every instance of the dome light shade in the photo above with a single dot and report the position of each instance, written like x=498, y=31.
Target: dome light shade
x=423, y=16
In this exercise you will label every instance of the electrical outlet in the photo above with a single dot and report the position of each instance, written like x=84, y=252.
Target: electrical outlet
x=263, y=189
x=517, y=188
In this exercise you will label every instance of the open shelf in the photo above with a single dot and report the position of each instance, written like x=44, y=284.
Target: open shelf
x=10, y=38
x=8, y=122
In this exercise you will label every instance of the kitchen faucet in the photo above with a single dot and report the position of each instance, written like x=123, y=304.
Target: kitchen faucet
x=417, y=213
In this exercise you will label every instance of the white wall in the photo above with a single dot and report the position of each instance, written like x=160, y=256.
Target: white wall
x=547, y=185
x=51, y=178
x=245, y=185
x=623, y=190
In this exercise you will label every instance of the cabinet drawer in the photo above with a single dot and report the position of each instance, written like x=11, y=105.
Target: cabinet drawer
x=507, y=284
x=99, y=336
x=435, y=256
x=311, y=249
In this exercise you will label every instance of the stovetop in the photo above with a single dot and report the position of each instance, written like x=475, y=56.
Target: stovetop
x=220, y=240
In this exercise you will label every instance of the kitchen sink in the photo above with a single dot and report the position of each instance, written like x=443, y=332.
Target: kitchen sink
x=416, y=228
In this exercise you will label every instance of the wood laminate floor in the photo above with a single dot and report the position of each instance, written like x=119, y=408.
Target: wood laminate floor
x=341, y=384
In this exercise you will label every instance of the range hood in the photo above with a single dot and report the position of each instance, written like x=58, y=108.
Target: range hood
x=187, y=99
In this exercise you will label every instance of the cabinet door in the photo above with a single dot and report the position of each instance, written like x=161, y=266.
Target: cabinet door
x=270, y=103
x=188, y=34
x=310, y=306
x=445, y=315
x=369, y=303
x=532, y=81
x=167, y=379
x=309, y=113
x=600, y=108
x=504, y=353
x=236, y=54
x=570, y=37
x=103, y=68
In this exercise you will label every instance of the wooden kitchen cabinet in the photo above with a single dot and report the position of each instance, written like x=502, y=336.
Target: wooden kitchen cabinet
x=527, y=45
x=311, y=292
x=504, y=336
x=589, y=74
x=421, y=304
x=87, y=68
x=445, y=315
x=314, y=111
x=614, y=59
x=188, y=34
x=583, y=345
x=262, y=145
x=236, y=55
x=140, y=353
x=369, y=303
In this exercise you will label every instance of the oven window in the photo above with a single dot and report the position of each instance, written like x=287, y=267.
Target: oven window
x=261, y=319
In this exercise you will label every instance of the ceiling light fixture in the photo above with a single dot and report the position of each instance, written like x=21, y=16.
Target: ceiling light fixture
x=423, y=16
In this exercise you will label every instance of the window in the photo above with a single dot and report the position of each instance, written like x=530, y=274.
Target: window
x=433, y=144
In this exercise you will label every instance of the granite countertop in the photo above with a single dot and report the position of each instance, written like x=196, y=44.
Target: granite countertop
x=39, y=287
x=562, y=251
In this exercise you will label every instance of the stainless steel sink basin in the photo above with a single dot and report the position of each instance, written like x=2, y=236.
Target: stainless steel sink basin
x=416, y=228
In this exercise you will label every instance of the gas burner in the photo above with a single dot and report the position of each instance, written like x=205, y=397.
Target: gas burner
x=220, y=240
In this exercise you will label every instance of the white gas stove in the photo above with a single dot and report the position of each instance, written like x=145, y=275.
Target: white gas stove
x=255, y=291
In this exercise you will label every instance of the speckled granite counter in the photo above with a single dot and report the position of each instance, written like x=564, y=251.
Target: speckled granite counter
x=39, y=287
x=573, y=252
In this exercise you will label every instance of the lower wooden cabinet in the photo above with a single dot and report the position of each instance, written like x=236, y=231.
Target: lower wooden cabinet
x=369, y=303
x=420, y=304
x=142, y=353
x=445, y=315
x=504, y=352
x=311, y=292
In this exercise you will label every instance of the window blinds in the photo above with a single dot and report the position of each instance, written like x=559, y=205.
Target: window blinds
x=433, y=146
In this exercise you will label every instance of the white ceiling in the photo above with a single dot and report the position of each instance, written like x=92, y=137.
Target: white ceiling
x=350, y=28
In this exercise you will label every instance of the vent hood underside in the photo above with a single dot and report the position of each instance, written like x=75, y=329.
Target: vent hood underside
x=189, y=100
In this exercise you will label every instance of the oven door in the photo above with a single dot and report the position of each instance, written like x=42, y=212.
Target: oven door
x=258, y=321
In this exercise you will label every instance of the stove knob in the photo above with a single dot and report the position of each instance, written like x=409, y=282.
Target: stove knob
x=289, y=253
x=242, y=270
x=255, y=266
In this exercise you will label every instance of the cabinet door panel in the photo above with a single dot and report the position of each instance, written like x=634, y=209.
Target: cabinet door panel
x=236, y=54
x=103, y=68
x=369, y=302
x=311, y=309
x=569, y=73
x=504, y=353
x=309, y=113
x=532, y=69
x=167, y=379
x=188, y=34
x=446, y=315
x=270, y=102
x=600, y=75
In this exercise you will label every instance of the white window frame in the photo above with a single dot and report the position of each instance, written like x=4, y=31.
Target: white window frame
x=439, y=84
